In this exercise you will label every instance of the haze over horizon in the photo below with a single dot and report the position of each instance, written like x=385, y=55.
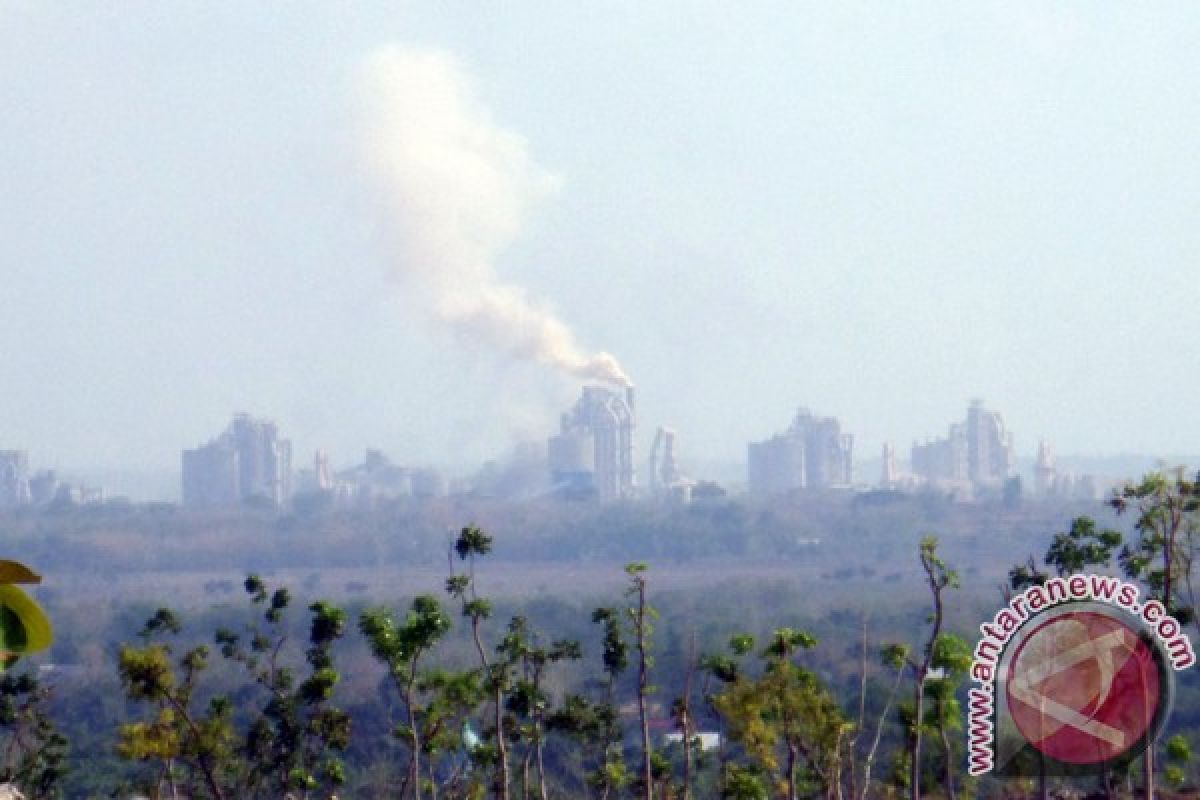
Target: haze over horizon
x=877, y=213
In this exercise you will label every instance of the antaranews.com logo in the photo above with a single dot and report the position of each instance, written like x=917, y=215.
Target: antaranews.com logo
x=1073, y=676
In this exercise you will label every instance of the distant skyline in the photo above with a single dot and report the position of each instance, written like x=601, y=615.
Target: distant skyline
x=875, y=212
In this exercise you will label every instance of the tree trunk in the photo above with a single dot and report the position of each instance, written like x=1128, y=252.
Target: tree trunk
x=835, y=785
x=538, y=747
x=502, y=780
x=937, y=582
x=643, y=683
x=686, y=722
x=862, y=711
x=948, y=767
x=202, y=762
x=870, y=760
x=541, y=770
x=791, y=771
x=414, y=764
x=687, y=754
x=914, y=769
x=501, y=744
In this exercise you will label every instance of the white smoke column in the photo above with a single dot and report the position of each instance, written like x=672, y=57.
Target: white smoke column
x=455, y=188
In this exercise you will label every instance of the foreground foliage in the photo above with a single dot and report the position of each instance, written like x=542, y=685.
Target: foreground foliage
x=502, y=709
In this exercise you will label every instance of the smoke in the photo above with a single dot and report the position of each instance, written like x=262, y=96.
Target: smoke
x=454, y=189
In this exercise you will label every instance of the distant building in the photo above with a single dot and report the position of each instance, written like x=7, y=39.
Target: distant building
x=14, y=478
x=1045, y=474
x=812, y=453
x=942, y=461
x=18, y=487
x=663, y=472
x=990, y=454
x=210, y=475
x=374, y=480
x=663, y=477
x=889, y=475
x=43, y=487
x=593, y=450
x=977, y=453
x=322, y=472
x=366, y=485
x=1050, y=481
x=264, y=459
x=249, y=461
x=79, y=495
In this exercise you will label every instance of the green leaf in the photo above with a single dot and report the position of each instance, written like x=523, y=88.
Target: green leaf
x=12, y=632
x=1178, y=749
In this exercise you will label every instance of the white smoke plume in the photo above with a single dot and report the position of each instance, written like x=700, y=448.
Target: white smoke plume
x=455, y=188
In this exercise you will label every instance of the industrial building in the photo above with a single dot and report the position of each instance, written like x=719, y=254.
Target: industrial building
x=663, y=476
x=977, y=453
x=592, y=454
x=813, y=453
x=21, y=487
x=1049, y=481
x=363, y=486
x=248, y=462
x=942, y=461
x=990, y=453
x=14, y=478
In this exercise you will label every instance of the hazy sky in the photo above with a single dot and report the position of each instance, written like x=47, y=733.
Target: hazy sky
x=876, y=210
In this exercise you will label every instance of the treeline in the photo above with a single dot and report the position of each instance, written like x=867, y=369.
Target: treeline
x=840, y=528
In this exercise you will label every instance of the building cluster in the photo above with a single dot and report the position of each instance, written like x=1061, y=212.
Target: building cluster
x=590, y=457
x=813, y=453
x=251, y=464
x=248, y=463
x=14, y=478
x=21, y=487
x=976, y=454
x=373, y=481
x=1050, y=481
x=592, y=454
x=663, y=476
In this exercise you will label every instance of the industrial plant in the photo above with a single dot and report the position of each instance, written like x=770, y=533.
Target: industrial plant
x=592, y=454
x=248, y=462
x=663, y=476
x=591, y=457
x=19, y=486
x=977, y=457
x=813, y=453
x=976, y=454
x=377, y=479
x=14, y=478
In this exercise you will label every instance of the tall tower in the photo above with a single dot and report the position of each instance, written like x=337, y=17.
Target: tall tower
x=248, y=460
x=977, y=444
x=595, y=444
x=889, y=477
x=1044, y=472
x=14, y=478
x=990, y=456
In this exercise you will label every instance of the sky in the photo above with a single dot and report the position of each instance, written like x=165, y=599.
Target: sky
x=363, y=220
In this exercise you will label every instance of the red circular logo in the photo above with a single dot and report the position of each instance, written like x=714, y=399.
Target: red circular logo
x=1083, y=687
